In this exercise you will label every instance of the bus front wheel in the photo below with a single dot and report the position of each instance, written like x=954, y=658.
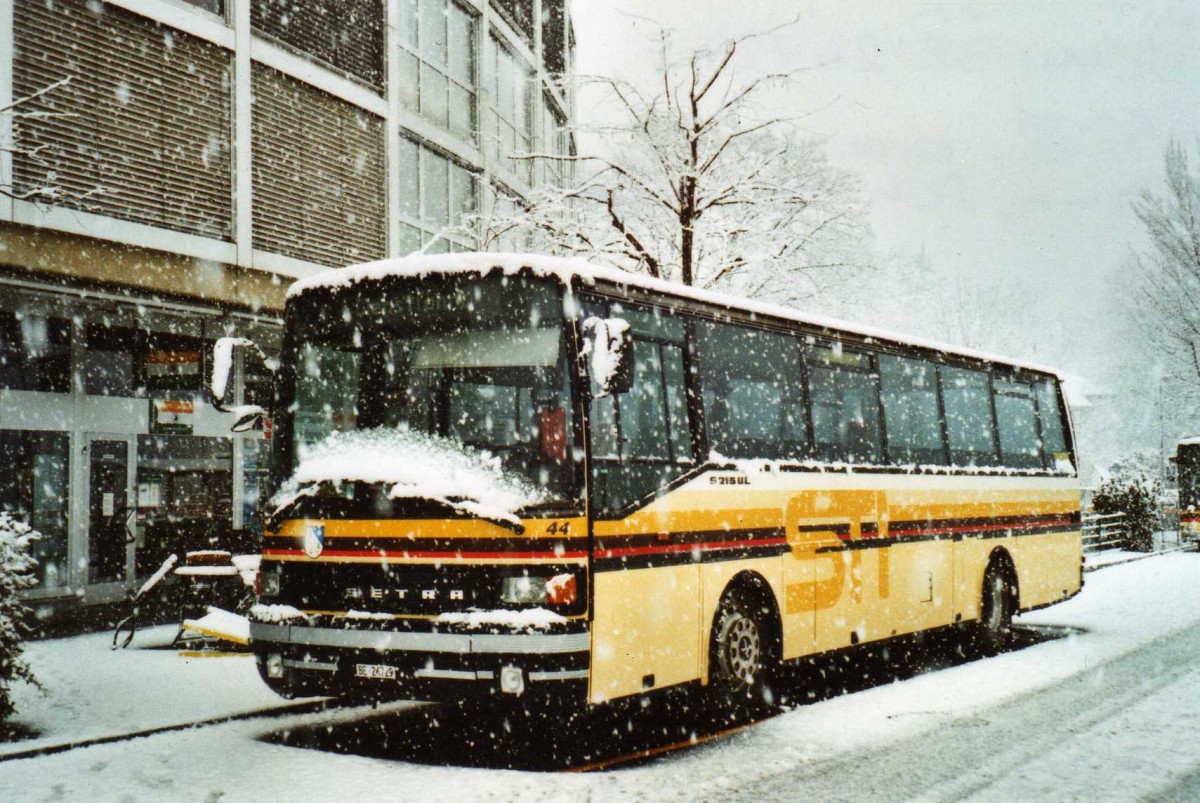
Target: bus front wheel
x=742, y=653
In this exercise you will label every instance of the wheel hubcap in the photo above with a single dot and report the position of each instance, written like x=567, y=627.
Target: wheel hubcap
x=742, y=650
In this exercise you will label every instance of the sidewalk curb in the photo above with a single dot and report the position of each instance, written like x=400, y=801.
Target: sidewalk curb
x=1088, y=569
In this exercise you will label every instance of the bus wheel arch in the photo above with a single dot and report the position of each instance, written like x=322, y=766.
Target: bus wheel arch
x=746, y=628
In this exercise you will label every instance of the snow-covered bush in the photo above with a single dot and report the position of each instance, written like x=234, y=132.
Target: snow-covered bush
x=16, y=575
x=1129, y=487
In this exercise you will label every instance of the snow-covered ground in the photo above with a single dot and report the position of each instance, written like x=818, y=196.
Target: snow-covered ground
x=1107, y=712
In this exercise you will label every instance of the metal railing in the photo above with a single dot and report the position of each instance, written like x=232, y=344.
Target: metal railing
x=1101, y=532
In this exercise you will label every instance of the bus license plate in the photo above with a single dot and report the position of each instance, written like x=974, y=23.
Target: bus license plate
x=378, y=671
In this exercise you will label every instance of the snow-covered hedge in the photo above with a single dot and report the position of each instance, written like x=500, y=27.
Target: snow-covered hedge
x=16, y=575
x=1129, y=487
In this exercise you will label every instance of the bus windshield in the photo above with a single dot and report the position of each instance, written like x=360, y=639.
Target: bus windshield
x=450, y=389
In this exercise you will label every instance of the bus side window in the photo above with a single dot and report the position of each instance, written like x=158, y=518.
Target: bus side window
x=910, y=411
x=1054, y=438
x=844, y=399
x=1017, y=424
x=641, y=439
x=753, y=398
x=966, y=395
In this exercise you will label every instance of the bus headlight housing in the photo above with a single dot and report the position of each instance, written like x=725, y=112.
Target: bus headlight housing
x=561, y=589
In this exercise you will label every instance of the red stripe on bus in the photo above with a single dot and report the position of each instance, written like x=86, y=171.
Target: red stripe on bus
x=661, y=550
x=968, y=528
x=375, y=553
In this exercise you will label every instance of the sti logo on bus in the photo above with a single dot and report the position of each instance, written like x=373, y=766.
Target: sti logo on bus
x=314, y=540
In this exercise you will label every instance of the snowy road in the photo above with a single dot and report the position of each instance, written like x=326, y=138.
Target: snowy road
x=1102, y=702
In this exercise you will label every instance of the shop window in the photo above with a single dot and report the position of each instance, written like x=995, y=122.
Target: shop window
x=184, y=497
x=35, y=352
x=34, y=482
x=122, y=361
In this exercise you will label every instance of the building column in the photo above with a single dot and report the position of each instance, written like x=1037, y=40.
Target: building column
x=242, y=143
x=391, y=82
x=7, y=50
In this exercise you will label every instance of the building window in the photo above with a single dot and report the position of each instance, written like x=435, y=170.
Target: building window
x=510, y=113
x=143, y=129
x=212, y=6
x=556, y=141
x=319, y=173
x=554, y=36
x=34, y=480
x=35, y=352
x=437, y=63
x=436, y=197
x=519, y=15
x=346, y=34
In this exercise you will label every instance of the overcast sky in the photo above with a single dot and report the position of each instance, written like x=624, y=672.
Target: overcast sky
x=1003, y=137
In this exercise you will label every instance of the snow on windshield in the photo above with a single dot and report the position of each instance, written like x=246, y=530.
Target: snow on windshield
x=417, y=465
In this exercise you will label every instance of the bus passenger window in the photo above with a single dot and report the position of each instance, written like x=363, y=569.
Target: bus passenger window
x=910, y=411
x=640, y=439
x=753, y=399
x=845, y=406
x=966, y=395
x=1054, y=439
x=1017, y=423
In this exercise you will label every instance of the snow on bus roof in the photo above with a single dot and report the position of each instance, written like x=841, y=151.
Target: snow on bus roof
x=1192, y=441
x=565, y=269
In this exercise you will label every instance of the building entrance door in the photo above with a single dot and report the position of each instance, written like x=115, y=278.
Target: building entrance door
x=110, y=508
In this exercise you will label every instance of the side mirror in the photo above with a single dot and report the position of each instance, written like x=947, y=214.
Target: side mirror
x=607, y=343
x=249, y=415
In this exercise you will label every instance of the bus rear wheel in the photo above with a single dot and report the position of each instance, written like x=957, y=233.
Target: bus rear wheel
x=742, y=654
x=994, y=631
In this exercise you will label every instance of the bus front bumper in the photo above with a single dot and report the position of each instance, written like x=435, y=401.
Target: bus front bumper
x=422, y=663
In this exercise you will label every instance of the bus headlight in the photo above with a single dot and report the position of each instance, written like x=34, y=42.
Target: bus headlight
x=523, y=590
x=558, y=590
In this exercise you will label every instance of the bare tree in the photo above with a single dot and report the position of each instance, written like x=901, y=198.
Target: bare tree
x=11, y=143
x=1167, y=302
x=693, y=183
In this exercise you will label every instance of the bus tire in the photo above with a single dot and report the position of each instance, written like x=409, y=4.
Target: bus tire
x=742, y=655
x=994, y=631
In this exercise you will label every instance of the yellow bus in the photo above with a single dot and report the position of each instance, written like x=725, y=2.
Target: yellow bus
x=516, y=475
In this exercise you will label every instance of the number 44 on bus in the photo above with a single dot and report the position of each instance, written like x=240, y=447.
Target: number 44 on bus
x=505, y=475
